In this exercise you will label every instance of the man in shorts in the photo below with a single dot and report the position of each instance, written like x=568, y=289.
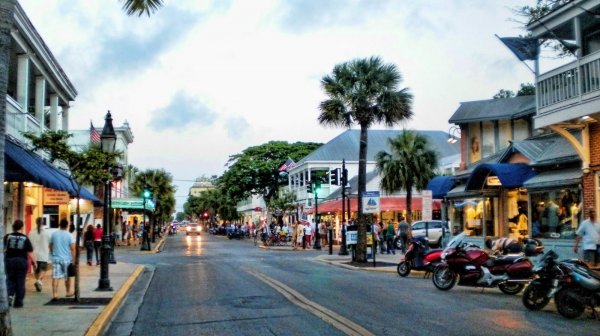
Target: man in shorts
x=589, y=233
x=62, y=250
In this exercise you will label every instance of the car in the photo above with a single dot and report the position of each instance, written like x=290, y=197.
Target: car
x=434, y=230
x=193, y=228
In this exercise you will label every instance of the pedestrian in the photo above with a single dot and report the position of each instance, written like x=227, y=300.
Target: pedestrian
x=403, y=231
x=375, y=233
x=134, y=233
x=98, y=233
x=323, y=233
x=589, y=233
x=17, y=247
x=389, y=238
x=40, y=239
x=294, y=236
x=308, y=235
x=88, y=242
x=62, y=249
x=118, y=234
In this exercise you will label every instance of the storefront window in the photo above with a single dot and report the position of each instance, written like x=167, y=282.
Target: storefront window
x=517, y=221
x=556, y=214
x=469, y=216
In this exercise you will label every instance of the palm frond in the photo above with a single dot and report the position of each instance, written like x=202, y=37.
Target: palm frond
x=139, y=7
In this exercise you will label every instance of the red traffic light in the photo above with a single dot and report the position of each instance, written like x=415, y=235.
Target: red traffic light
x=206, y=214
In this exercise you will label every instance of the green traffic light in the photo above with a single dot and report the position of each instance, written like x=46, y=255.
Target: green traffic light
x=146, y=193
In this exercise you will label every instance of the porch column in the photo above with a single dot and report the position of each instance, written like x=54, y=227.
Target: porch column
x=53, y=112
x=578, y=39
x=40, y=100
x=23, y=81
x=65, y=118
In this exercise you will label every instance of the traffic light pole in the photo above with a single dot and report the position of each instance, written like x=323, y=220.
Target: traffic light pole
x=317, y=237
x=344, y=247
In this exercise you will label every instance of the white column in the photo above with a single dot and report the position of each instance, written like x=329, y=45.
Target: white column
x=23, y=81
x=65, y=118
x=53, y=112
x=40, y=99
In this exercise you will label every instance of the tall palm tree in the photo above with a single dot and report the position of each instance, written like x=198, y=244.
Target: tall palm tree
x=411, y=164
x=364, y=92
x=161, y=184
x=7, y=11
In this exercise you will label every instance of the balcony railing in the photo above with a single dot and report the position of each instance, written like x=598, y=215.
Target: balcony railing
x=571, y=84
x=18, y=122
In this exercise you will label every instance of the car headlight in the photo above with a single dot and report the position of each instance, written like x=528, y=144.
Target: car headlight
x=199, y=228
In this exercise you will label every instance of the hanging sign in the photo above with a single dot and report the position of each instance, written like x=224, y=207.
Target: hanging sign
x=427, y=201
x=370, y=202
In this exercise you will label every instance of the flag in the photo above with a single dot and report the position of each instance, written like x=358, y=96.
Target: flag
x=289, y=164
x=524, y=48
x=94, y=135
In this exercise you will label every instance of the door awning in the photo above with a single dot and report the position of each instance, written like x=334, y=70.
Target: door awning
x=510, y=175
x=22, y=165
x=440, y=185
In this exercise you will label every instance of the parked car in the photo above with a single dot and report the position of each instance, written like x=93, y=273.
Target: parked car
x=193, y=228
x=434, y=230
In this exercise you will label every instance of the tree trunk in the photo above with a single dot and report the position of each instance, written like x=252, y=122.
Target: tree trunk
x=361, y=246
x=409, y=218
x=7, y=9
x=78, y=229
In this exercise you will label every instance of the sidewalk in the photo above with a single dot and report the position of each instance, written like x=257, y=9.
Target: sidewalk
x=38, y=317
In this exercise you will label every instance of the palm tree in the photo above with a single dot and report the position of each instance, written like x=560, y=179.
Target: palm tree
x=139, y=7
x=160, y=183
x=364, y=92
x=411, y=164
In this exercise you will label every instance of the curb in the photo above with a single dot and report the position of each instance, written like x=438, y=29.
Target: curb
x=355, y=268
x=101, y=322
x=156, y=248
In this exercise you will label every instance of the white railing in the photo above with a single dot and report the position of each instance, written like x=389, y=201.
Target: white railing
x=18, y=121
x=570, y=84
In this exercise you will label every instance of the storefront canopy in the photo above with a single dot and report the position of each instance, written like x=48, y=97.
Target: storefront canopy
x=555, y=179
x=24, y=166
x=440, y=185
x=511, y=175
x=386, y=204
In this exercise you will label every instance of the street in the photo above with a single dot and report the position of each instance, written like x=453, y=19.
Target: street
x=209, y=285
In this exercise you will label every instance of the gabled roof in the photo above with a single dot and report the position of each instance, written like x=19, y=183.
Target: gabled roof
x=547, y=149
x=345, y=145
x=353, y=183
x=494, y=109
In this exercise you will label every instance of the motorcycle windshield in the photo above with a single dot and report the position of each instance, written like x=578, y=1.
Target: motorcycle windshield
x=456, y=241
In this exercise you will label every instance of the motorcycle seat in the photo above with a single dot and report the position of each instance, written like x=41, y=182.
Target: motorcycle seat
x=505, y=259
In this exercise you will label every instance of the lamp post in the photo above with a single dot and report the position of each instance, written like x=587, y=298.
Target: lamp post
x=108, y=141
x=145, y=239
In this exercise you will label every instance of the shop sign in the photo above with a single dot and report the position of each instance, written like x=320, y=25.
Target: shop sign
x=427, y=201
x=258, y=209
x=55, y=197
x=370, y=202
x=352, y=238
x=493, y=181
x=131, y=203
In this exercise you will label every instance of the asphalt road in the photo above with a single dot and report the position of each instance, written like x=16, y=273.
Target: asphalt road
x=210, y=285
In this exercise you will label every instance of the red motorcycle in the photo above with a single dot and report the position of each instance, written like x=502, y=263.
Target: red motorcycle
x=476, y=268
x=418, y=257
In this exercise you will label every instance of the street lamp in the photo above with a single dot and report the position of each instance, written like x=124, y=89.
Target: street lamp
x=145, y=239
x=108, y=141
x=453, y=134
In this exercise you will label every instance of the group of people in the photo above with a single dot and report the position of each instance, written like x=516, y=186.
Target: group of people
x=41, y=248
x=385, y=235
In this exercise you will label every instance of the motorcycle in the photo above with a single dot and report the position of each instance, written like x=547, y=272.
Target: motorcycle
x=476, y=268
x=551, y=276
x=582, y=290
x=418, y=257
x=235, y=234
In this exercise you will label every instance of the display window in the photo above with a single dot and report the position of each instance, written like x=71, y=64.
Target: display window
x=556, y=214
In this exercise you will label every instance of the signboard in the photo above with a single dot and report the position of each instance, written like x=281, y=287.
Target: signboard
x=427, y=201
x=370, y=202
x=258, y=209
x=277, y=212
x=493, y=181
x=352, y=238
x=131, y=203
x=55, y=197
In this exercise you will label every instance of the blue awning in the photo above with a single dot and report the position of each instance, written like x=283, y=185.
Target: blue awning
x=511, y=175
x=22, y=165
x=440, y=185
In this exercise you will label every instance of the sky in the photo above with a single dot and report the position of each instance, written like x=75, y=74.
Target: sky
x=202, y=80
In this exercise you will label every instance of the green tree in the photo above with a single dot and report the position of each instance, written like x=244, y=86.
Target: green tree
x=527, y=89
x=180, y=216
x=504, y=94
x=364, y=92
x=286, y=202
x=87, y=167
x=255, y=171
x=7, y=11
x=411, y=164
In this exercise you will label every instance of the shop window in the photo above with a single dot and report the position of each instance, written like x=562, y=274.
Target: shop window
x=556, y=214
x=517, y=221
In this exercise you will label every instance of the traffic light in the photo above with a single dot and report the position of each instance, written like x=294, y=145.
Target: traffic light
x=334, y=176
x=146, y=193
x=344, y=177
x=309, y=187
x=316, y=187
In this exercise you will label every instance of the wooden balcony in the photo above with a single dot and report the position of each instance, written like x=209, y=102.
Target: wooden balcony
x=569, y=92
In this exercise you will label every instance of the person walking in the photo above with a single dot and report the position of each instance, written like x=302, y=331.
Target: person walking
x=98, y=233
x=40, y=239
x=323, y=234
x=17, y=247
x=308, y=235
x=389, y=238
x=403, y=231
x=589, y=233
x=88, y=242
x=62, y=249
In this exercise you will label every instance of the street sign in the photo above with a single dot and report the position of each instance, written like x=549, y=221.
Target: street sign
x=427, y=201
x=370, y=202
x=352, y=238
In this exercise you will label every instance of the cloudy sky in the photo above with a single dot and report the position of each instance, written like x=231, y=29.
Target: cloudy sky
x=201, y=80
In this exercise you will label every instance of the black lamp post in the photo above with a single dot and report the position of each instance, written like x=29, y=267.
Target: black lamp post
x=108, y=140
x=145, y=239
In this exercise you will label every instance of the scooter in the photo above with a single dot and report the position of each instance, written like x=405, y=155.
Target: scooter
x=582, y=290
x=419, y=257
x=476, y=268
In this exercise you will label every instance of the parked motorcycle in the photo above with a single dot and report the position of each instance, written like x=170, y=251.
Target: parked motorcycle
x=476, y=268
x=419, y=257
x=551, y=276
x=582, y=290
x=235, y=234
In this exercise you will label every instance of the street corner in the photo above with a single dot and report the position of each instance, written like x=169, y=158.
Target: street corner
x=103, y=320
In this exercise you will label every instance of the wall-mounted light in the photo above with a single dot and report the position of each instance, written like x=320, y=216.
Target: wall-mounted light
x=453, y=134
